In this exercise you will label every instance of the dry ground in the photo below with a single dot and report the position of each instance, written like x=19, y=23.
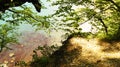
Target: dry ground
x=81, y=52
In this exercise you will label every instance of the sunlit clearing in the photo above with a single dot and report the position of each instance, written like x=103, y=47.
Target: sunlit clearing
x=87, y=45
x=92, y=50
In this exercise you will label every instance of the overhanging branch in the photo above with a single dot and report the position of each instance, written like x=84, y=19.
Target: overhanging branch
x=105, y=27
x=118, y=7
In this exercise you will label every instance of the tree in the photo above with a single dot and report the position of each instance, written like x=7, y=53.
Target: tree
x=7, y=35
x=13, y=17
x=5, y=4
x=102, y=14
x=23, y=14
x=26, y=15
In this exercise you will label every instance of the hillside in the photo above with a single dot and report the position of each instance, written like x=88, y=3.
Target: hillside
x=24, y=50
x=81, y=52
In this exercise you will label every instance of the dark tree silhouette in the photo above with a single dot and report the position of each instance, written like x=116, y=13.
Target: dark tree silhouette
x=5, y=4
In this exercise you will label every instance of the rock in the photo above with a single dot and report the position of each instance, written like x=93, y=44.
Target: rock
x=11, y=54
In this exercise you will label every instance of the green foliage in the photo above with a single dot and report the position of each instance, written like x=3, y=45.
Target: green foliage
x=104, y=15
x=26, y=15
x=8, y=34
x=47, y=50
x=39, y=60
x=21, y=64
x=42, y=61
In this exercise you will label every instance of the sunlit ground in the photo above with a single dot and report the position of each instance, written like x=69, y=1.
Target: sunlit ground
x=93, y=49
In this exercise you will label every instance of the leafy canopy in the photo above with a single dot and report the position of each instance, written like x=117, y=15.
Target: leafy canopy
x=18, y=15
x=8, y=35
x=104, y=15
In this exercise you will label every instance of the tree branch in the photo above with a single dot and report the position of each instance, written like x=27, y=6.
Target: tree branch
x=105, y=27
x=118, y=7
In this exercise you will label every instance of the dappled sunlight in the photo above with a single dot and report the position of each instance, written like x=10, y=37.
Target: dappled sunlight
x=112, y=55
x=92, y=50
